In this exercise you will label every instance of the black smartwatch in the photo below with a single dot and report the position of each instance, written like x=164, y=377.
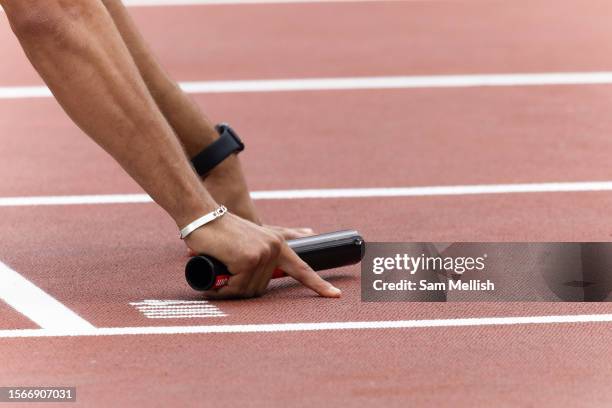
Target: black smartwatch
x=227, y=144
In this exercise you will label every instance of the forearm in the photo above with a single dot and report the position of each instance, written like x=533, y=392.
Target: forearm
x=80, y=55
x=191, y=126
x=226, y=182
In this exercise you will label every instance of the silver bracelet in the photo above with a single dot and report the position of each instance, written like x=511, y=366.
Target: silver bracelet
x=200, y=222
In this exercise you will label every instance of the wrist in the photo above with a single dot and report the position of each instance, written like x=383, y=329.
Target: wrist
x=189, y=209
x=202, y=221
x=229, y=168
x=210, y=235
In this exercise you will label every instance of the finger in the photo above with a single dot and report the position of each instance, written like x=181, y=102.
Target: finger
x=261, y=277
x=300, y=271
x=301, y=231
x=292, y=233
x=225, y=292
x=261, y=284
x=266, y=277
x=235, y=288
x=261, y=281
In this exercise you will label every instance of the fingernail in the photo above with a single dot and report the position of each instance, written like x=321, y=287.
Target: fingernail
x=335, y=291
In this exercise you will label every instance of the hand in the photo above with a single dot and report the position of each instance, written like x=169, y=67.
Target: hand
x=291, y=233
x=251, y=253
x=285, y=233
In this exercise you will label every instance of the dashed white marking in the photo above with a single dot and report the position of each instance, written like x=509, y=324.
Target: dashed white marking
x=356, y=83
x=177, y=309
x=35, y=304
x=304, y=327
x=581, y=186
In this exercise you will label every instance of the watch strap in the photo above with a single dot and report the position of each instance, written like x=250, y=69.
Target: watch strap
x=227, y=144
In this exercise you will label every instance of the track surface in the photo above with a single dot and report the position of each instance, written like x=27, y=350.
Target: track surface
x=81, y=256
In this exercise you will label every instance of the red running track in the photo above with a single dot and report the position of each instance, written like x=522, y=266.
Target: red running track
x=84, y=258
x=391, y=138
x=97, y=269
x=363, y=39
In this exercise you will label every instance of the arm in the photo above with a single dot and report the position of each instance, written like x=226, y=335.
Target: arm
x=227, y=182
x=81, y=57
x=79, y=53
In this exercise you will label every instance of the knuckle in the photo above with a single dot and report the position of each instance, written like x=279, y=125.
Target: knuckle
x=251, y=259
x=243, y=286
x=276, y=245
x=278, y=235
x=265, y=253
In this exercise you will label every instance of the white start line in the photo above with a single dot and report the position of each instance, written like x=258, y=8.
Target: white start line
x=309, y=327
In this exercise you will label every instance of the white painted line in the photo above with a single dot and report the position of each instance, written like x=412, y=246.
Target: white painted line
x=35, y=304
x=189, y=313
x=303, y=327
x=178, y=314
x=177, y=309
x=176, y=3
x=155, y=3
x=356, y=83
x=75, y=200
x=165, y=302
x=427, y=191
x=23, y=92
x=399, y=82
x=433, y=190
x=155, y=308
x=186, y=316
x=168, y=310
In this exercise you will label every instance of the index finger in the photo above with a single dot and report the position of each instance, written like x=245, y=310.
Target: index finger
x=293, y=266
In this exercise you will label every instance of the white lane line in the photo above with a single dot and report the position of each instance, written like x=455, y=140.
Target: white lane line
x=177, y=309
x=154, y=3
x=174, y=3
x=23, y=92
x=356, y=83
x=434, y=190
x=74, y=200
x=303, y=327
x=35, y=304
x=583, y=186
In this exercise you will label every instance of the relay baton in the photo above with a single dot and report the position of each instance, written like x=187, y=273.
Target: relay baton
x=320, y=252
